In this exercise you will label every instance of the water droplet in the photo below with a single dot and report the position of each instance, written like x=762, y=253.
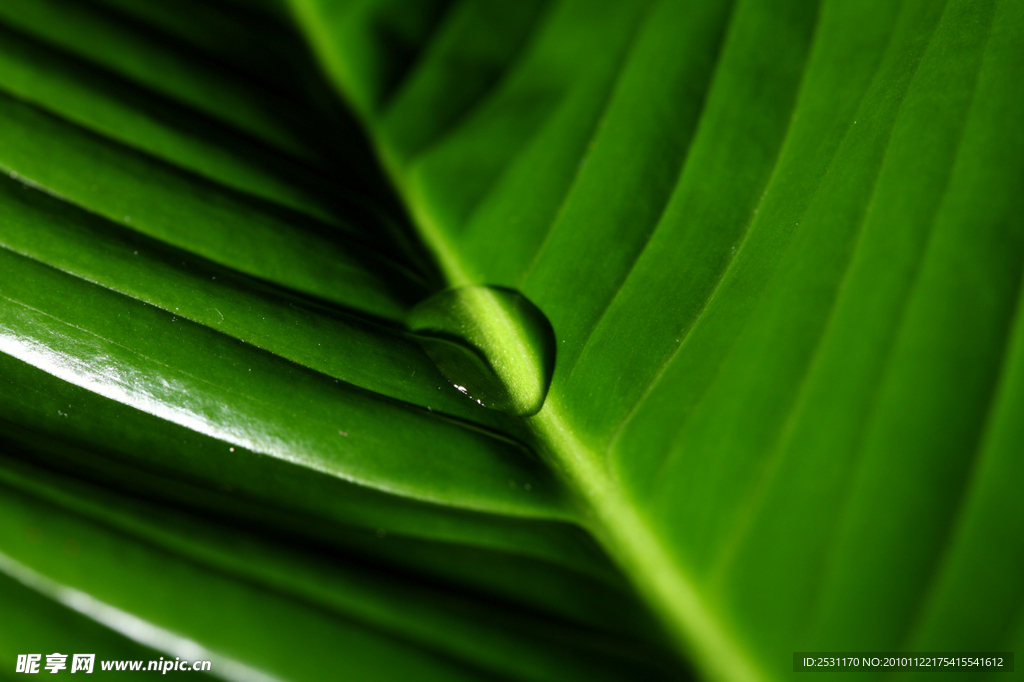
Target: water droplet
x=491, y=343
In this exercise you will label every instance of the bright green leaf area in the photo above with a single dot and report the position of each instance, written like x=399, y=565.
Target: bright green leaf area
x=539, y=340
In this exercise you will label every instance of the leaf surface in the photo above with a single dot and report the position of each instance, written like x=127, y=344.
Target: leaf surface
x=778, y=245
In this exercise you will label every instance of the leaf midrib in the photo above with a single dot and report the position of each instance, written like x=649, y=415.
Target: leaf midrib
x=604, y=510
x=624, y=532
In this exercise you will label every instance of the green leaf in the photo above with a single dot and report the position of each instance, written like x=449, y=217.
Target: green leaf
x=740, y=279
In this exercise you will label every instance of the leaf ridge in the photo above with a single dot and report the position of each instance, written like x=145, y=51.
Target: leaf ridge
x=231, y=106
x=520, y=53
x=684, y=160
x=127, y=624
x=266, y=187
x=686, y=331
x=595, y=130
x=830, y=560
x=995, y=398
x=956, y=529
x=772, y=461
